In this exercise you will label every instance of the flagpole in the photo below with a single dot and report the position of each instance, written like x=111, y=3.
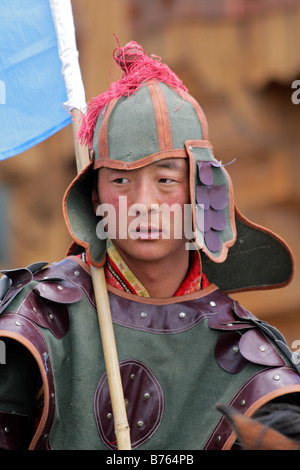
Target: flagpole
x=63, y=21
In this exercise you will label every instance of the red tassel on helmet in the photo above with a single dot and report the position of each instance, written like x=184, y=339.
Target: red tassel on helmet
x=138, y=68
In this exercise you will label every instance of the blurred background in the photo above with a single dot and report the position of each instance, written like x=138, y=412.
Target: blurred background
x=239, y=59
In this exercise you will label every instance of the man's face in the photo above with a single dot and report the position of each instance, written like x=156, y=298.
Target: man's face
x=148, y=208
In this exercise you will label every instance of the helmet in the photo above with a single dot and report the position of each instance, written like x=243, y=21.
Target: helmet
x=148, y=115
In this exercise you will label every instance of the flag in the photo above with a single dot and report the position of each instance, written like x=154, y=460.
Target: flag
x=32, y=86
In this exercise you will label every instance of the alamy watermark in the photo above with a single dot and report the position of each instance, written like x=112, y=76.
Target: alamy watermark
x=2, y=352
x=137, y=222
x=296, y=94
x=2, y=92
x=296, y=354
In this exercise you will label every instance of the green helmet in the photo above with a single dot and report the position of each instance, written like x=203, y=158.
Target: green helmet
x=146, y=116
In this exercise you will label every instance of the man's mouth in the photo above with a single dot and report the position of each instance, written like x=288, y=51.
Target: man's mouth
x=148, y=233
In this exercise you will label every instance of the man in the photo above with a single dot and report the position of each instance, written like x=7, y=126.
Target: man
x=156, y=209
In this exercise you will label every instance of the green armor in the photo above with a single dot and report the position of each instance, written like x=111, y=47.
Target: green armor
x=164, y=349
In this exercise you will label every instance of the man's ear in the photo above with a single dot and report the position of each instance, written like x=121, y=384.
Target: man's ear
x=95, y=199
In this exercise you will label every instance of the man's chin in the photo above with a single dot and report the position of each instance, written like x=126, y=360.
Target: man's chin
x=148, y=249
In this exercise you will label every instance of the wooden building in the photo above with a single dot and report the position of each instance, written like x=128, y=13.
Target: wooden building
x=239, y=59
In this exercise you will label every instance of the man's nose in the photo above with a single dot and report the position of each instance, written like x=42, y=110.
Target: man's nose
x=145, y=196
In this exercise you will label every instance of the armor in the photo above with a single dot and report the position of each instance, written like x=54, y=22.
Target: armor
x=164, y=348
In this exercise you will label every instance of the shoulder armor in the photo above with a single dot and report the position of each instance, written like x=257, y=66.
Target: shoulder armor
x=47, y=292
x=245, y=338
x=13, y=280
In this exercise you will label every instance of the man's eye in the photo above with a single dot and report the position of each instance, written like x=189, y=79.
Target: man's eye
x=121, y=180
x=166, y=180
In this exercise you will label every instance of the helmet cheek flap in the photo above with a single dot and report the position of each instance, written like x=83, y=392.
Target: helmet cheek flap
x=212, y=201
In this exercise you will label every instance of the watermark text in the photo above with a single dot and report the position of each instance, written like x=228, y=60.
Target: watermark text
x=2, y=352
x=2, y=92
x=160, y=221
x=296, y=93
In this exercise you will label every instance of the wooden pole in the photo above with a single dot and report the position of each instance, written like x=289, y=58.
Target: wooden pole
x=122, y=429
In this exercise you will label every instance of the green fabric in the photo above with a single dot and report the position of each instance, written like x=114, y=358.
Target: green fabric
x=131, y=131
x=184, y=122
x=256, y=260
x=78, y=364
x=78, y=203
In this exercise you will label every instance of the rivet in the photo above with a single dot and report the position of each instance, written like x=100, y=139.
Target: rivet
x=77, y=273
x=218, y=438
x=235, y=349
x=147, y=395
x=140, y=424
x=143, y=314
x=242, y=402
x=34, y=309
x=109, y=415
x=52, y=395
x=212, y=303
x=51, y=316
x=181, y=315
x=262, y=348
x=18, y=323
x=132, y=377
x=6, y=429
x=60, y=287
x=229, y=324
x=46, y=277
x=190, y=147
x=276, y=377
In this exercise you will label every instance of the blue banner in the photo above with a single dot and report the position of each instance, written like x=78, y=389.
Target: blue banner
x=32, y=88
